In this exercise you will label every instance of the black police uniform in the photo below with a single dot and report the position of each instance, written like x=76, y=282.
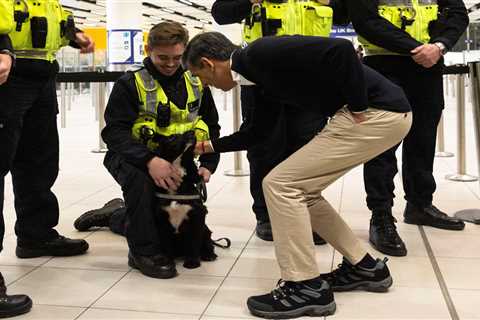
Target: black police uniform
x=289, y=129
x=127, y=158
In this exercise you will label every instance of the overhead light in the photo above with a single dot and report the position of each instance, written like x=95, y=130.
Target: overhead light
x=168, y=10
x=185, y=2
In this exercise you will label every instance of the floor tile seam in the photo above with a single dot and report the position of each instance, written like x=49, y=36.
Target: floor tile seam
x=29, y=272
x=456, y=258
x=226, y=276
x=102, y=295
x=84, y=198
x=438, y=273
x=142, y=311
x=84, y=269
x=219, y=190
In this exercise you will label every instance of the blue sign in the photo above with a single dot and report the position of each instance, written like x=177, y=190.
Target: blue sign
x=343, y=31
x=125, y=46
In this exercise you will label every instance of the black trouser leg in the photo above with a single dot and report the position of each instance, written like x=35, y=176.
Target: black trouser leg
x=35, y=169
x=27, y=109
x=424, y=90
x=262, y=158
x=139, y=194
x=419, y=154
x=117, y=221
x=378, y=175
x=2, y=221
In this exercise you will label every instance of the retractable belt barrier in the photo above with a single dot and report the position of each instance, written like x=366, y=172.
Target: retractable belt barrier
x=99, y=78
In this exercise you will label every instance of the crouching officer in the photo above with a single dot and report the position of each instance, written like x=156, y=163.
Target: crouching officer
x=290, y=128
x=31, y=32
x=159, y=99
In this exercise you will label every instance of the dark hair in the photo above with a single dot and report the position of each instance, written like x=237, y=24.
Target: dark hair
x=167, y=33
x=211, y=45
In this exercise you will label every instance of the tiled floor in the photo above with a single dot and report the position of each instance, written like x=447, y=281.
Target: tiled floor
x=100, y=285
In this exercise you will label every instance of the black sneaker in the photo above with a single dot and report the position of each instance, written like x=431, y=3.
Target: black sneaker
x=57, y=247
x=99, y=217
x=349, y=277
x=384, y=236
x=431, y=216
x=294, y=299
x=264, y=232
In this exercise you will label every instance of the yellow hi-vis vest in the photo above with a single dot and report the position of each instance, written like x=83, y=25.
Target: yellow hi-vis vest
x=287, y=17
x=40, y=28
x=6, y=16
x=152, y=96
x=412, y=16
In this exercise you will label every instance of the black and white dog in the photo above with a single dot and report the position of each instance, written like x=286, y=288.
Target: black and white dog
x=181, y=214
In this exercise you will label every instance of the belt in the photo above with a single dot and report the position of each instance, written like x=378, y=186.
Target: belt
x=31, y=53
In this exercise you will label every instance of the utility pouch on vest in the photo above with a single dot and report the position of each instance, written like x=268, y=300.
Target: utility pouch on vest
x=317, y=20
x=39, y=28
x=163, y=115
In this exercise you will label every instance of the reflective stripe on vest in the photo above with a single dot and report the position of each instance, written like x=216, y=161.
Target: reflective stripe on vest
x=151, y=95
x=39, y=28
x=412, y=16
x=287, y=17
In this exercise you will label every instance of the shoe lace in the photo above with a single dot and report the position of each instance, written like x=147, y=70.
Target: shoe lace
x=387, y=225
x=282, y=290
x=343, y=269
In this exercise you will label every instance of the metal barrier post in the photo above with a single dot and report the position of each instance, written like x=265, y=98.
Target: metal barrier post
x=237, y=118
x=473, y=215
x=461, y=174
x=101, y=120
x=441, y=153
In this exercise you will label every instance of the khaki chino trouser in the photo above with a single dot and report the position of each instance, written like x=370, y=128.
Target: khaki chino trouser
x=293, y=189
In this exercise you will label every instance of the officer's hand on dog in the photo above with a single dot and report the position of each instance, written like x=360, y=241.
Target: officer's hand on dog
x=85, y=42
x=426, y=55
x=324, y=2
x=5, y=66
x=256, y=1
x=205, y=174
x=164, y=174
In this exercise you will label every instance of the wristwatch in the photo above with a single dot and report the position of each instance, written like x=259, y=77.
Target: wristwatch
x=442, y=47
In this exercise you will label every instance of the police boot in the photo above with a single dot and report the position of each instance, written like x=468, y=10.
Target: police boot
x=98, y=217
x=431, y=216
x=14, y=305
x=383, y=234
x=59, y=246
x=156, y=266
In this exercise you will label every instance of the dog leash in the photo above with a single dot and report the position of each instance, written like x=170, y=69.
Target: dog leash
x=218, y=243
